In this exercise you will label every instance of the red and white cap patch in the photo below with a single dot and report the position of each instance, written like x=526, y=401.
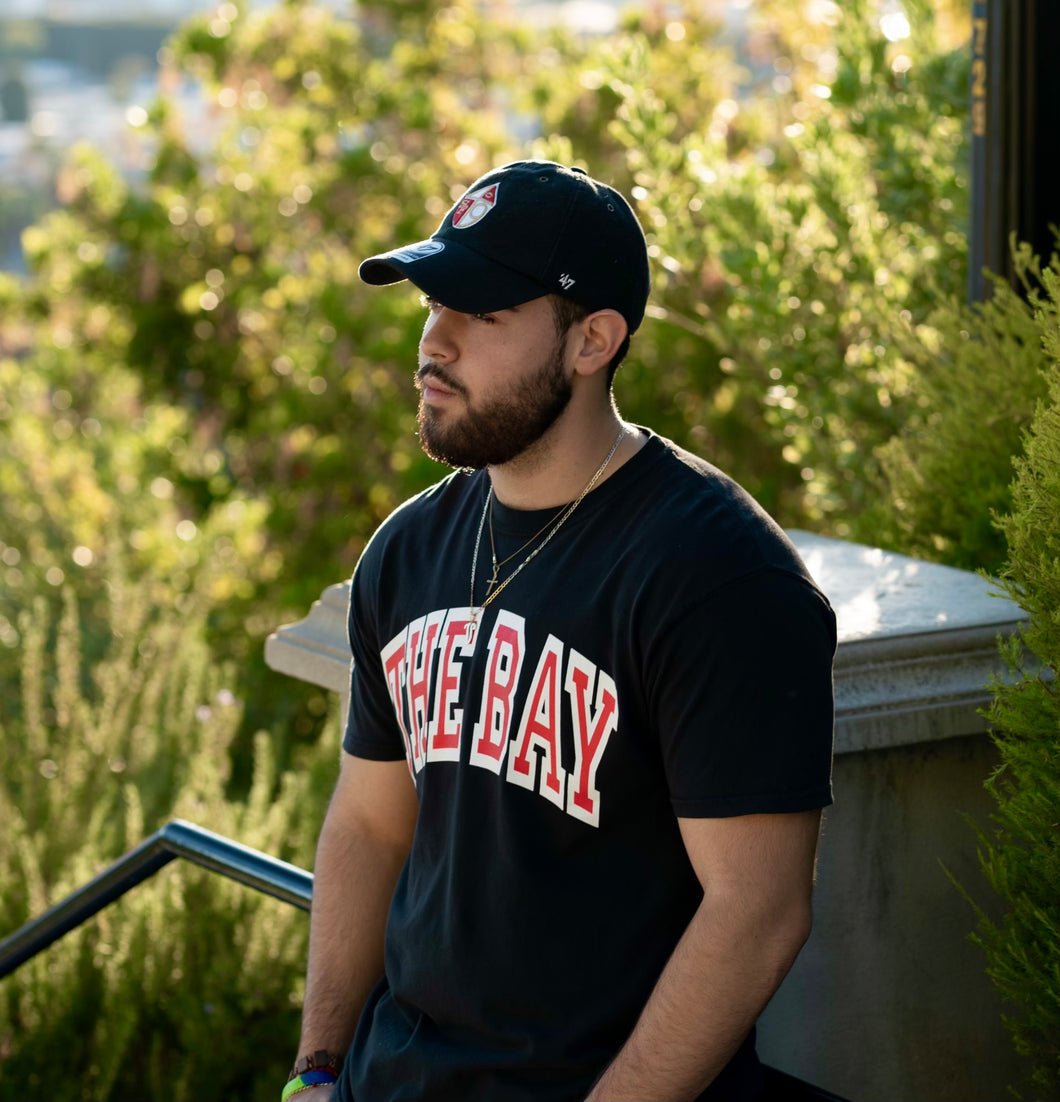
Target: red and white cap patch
x=475, y=206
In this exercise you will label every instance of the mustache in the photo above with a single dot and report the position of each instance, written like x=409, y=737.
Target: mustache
x=430, y=368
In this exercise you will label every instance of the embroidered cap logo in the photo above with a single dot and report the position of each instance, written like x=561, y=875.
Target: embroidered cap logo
x=475, y=206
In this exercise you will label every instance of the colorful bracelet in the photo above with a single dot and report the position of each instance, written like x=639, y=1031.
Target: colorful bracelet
x=306, y=1080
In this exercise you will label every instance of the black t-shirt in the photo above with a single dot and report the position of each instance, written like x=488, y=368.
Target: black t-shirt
x=665, y=655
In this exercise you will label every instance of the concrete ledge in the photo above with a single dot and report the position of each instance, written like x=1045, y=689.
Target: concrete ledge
x=316, y=649
x=917, y=643
x=917, y=693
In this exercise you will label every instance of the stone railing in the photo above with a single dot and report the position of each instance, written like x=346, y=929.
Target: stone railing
x=889, y=999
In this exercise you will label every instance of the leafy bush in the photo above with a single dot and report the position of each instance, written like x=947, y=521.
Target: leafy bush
x=797, y=235
x=189, y=987
x=1022, y=856
x=948, y=471
x=84, y=492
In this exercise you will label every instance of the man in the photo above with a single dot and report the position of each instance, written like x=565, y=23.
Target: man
x=608, y=675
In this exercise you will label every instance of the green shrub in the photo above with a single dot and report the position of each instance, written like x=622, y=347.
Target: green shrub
x=797, y=234
x=1021, y=857
x=88, y=488
x=188, y=987
x=949, y=468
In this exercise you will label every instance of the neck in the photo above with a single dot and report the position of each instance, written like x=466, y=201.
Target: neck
x=554, y=471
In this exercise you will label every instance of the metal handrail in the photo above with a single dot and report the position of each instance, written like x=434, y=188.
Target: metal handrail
x=238, y=862
x=176, y=839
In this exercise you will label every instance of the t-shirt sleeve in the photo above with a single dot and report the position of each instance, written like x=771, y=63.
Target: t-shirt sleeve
x=372, y=729
x=742, y=692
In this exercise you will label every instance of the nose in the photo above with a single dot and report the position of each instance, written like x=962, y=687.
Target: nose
x=438, y=342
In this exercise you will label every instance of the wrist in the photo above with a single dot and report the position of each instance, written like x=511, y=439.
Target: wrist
x=318, y=1068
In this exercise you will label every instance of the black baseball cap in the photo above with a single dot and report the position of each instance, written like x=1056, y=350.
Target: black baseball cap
x=528, y=229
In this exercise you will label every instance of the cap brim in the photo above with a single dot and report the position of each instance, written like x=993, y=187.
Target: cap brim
x=454, y=275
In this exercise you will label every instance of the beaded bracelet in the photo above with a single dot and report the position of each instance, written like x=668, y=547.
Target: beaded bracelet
x=306, y=1080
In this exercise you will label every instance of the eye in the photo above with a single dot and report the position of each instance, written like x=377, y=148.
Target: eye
x=434, y=306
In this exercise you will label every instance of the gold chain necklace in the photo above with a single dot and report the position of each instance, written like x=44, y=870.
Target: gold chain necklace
x=493, y=590
x=519, y=550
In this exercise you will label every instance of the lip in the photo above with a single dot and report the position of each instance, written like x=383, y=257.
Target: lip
x=433, y=391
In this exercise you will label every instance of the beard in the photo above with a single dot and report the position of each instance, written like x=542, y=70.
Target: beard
x=501, y=428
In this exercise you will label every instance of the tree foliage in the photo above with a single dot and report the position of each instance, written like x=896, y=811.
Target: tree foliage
x=799, y=237
x=948, y=470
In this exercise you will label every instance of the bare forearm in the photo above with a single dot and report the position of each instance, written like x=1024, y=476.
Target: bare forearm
x=721, y=975
x=354, y=881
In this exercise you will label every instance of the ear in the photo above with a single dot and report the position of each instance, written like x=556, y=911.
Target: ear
x=596, y=339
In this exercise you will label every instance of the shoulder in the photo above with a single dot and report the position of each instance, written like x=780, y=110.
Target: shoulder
x=697, y=520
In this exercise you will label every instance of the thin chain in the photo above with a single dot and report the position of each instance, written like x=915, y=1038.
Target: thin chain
x=474, y=558
x=493, y=593
x=508, y=558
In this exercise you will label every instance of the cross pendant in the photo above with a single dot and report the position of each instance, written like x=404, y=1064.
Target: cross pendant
x=493, y=581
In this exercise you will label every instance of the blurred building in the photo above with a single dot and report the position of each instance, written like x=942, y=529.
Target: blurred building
x=83, y=70
x=64, y=77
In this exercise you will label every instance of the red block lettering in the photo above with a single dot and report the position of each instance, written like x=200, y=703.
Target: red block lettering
x=394, y=670
x=422, y=634
x=447, y=723
x=504, y=661
x=539, y=729
x=591, y=732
